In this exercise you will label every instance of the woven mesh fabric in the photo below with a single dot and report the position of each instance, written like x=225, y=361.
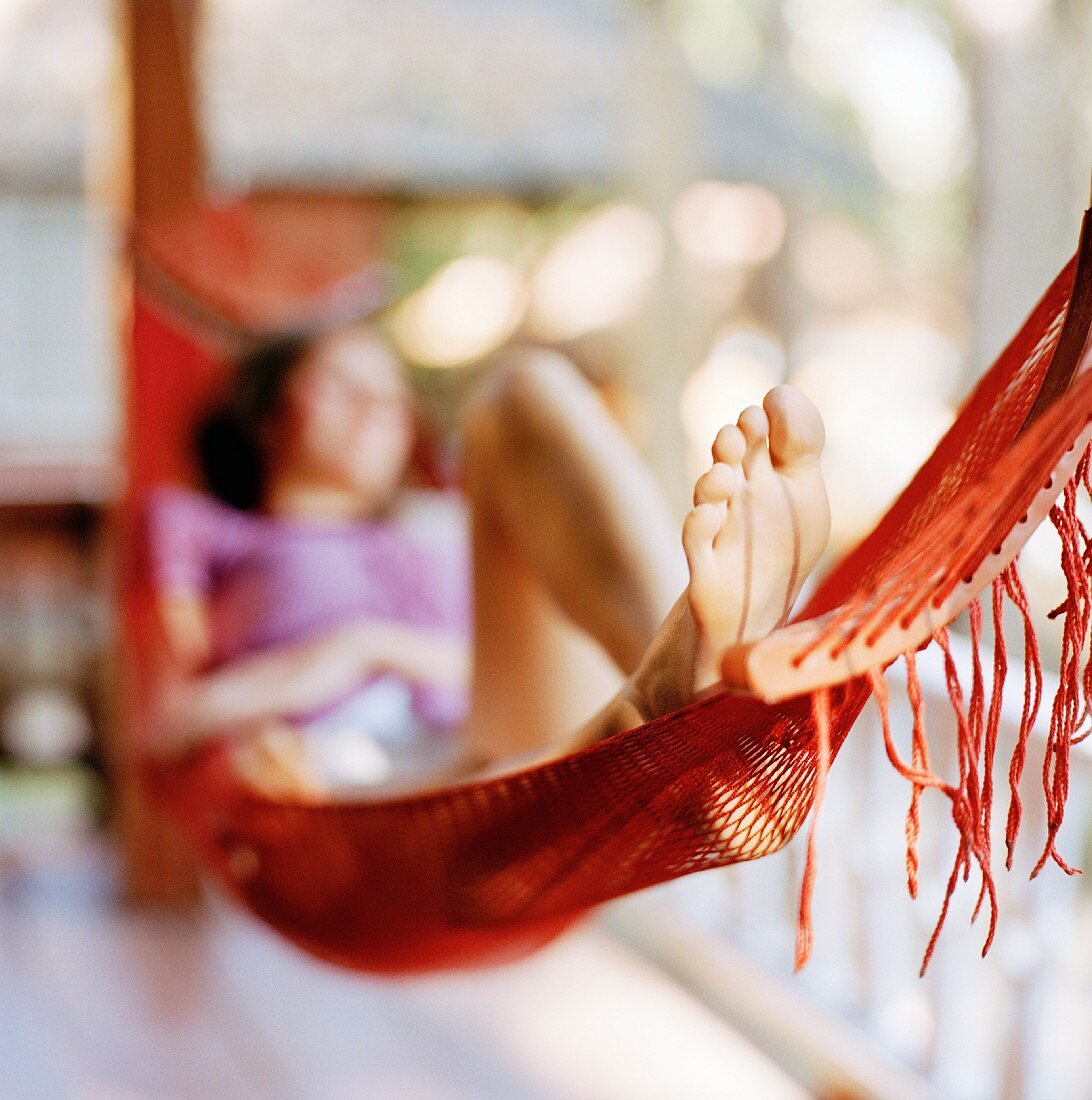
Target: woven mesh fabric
x=487, y=871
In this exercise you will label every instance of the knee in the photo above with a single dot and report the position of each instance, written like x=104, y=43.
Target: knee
x=526, y=387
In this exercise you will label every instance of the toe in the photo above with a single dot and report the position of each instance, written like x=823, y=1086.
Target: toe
x=755, y=426
x=700, y=528
x=716, y=485
x=795, y=426
x=730, y=445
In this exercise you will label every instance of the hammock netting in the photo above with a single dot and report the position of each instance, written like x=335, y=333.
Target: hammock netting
x=488, y=871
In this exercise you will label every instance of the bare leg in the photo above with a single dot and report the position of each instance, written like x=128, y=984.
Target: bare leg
x=568, y=531
x=576, y=561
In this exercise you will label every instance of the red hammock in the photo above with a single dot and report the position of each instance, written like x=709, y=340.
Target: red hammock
x=489, y=871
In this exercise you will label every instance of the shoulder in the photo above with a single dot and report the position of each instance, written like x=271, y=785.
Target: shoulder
x=173, y=511
x=177, y=500
x=189, y=536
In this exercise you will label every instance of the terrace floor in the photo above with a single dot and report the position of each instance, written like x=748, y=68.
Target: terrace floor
x=98, y=1001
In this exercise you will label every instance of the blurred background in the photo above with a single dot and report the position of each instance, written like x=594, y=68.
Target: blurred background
x=695, y=200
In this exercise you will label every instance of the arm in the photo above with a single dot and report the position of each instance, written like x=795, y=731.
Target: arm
x=419, y=654
x=188, y=538
x=288, y=680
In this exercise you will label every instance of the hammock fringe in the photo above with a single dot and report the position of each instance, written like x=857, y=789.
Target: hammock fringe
x=978, y=720
x=805, y=937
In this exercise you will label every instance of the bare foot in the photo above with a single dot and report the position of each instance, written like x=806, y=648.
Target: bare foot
x=760, y=521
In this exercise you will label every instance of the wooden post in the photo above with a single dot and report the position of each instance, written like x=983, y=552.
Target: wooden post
x=160, y=157
x=165, y=149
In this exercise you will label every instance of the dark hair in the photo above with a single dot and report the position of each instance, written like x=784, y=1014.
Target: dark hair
x=229, y=442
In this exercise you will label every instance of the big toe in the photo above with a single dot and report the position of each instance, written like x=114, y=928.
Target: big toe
x=796, y=428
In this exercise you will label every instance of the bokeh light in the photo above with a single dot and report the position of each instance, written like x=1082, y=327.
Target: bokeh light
x=729, y=224
x=722, y=42
x=466, y=310
x=1001, y=18
x=45, y=725
x=12, y=11
x=896, y=67
x=741, y=366
x=597, y=274
x=885, y=384
x=836, y=262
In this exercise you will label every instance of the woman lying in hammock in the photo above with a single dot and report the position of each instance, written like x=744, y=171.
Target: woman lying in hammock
x=317, y=603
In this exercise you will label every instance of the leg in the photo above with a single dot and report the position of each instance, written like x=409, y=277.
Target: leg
x=569, y=532
x=575, y=557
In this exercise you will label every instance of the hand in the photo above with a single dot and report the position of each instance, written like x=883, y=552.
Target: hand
x=420, y=654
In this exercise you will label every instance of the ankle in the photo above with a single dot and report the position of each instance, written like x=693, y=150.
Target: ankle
x=664, y=679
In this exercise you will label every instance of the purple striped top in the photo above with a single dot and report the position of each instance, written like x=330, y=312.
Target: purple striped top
x=271, y=581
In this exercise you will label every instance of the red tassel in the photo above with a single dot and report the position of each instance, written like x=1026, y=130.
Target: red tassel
x=960, y=808
x=1067, y=710
x=1033, y=698
x=953, y=878
x=997, y=695
x=920, y=760
x=980, y=778
x=976, y=714
x=1086, y=678
x=993, y=723
x=972, y=841
x=917, y=772
x=915, y=775
x=820, y=710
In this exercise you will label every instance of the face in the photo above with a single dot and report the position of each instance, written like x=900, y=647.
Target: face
x=347, y=420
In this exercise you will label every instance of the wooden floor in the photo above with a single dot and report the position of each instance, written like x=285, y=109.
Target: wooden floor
x=102, y=1003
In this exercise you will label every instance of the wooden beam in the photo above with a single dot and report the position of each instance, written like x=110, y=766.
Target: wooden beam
x=159, y=154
